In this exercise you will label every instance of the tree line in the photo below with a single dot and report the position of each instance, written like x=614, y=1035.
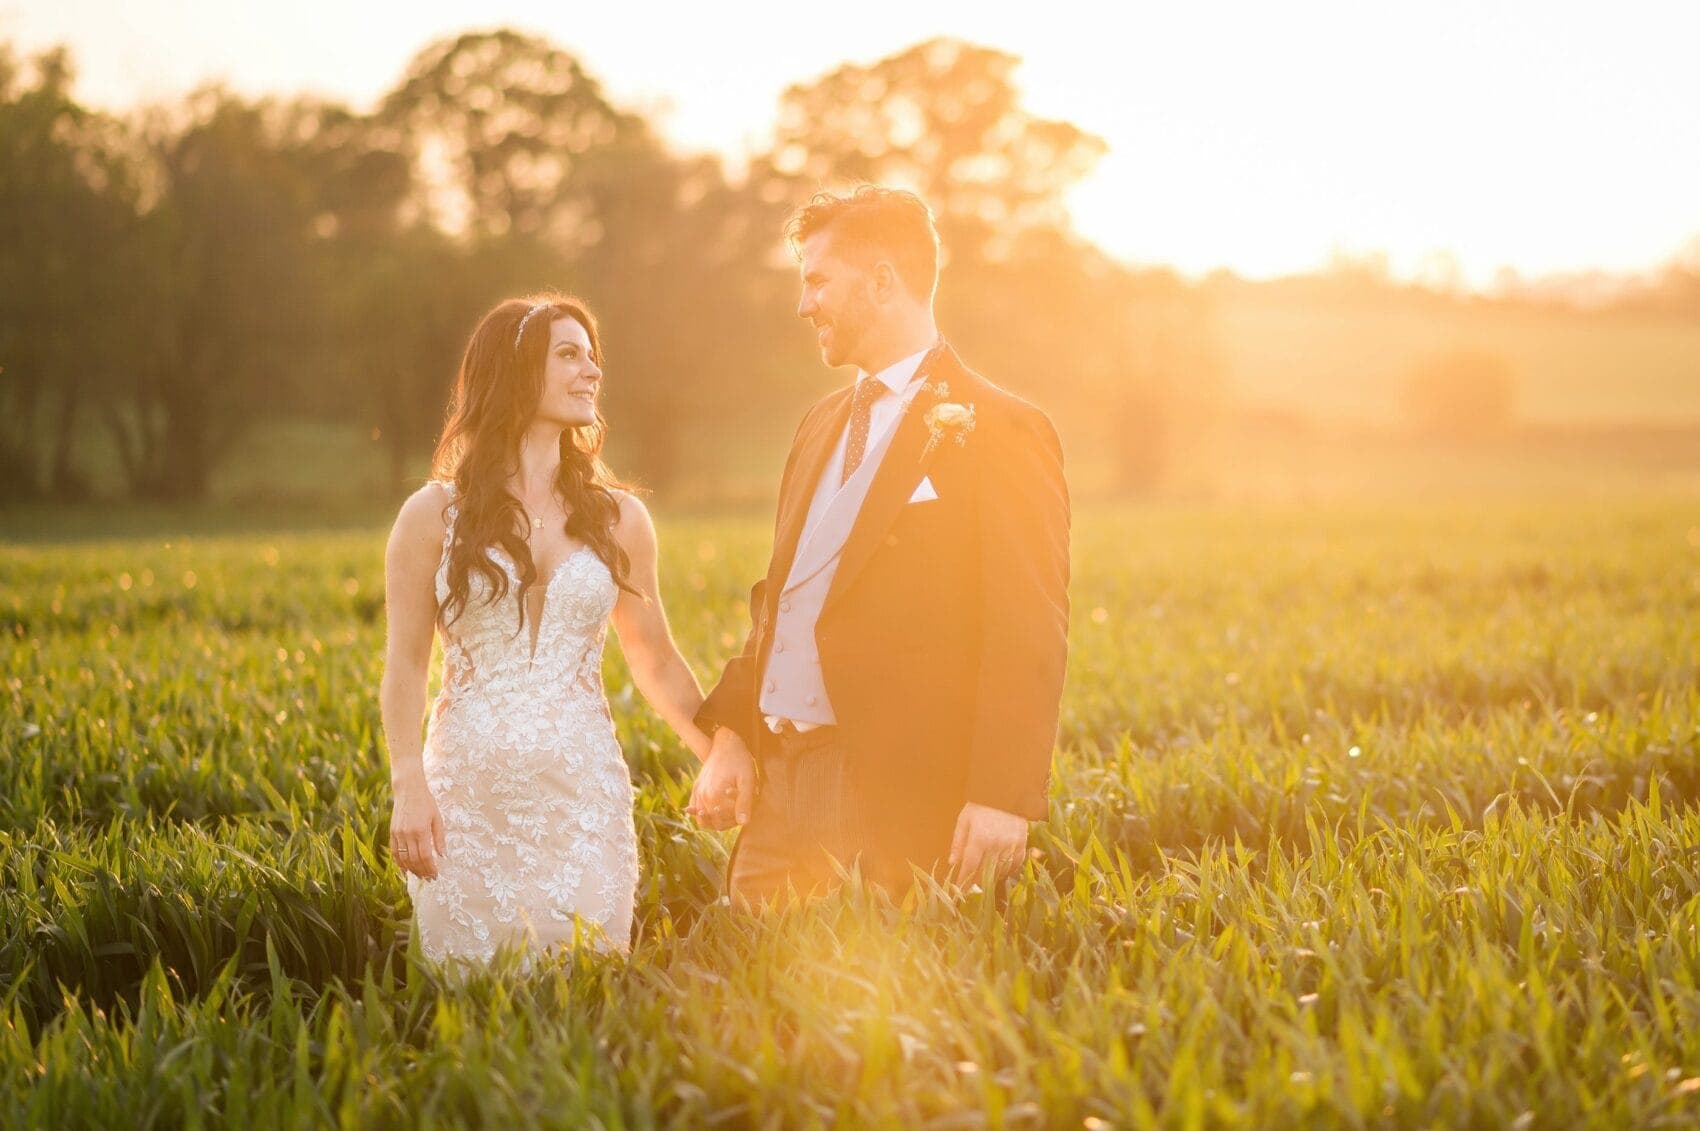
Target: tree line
x=172, y=277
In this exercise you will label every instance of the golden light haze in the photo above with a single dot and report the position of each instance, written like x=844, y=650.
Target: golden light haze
x=1456, y=138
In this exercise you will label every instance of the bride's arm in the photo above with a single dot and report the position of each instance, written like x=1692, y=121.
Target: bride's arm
x=410, y=613
x=661, y=674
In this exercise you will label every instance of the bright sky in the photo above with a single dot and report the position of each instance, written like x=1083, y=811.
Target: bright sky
x=1549, y=135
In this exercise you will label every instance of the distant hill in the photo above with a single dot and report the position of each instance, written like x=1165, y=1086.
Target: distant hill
x=1340, y=353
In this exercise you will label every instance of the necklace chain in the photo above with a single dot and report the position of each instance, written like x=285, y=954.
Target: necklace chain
x=537, y=519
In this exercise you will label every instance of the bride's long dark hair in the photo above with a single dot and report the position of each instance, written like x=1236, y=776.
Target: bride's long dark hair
x=496, y=395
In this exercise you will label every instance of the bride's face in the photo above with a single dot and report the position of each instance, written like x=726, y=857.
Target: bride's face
x=571, y=378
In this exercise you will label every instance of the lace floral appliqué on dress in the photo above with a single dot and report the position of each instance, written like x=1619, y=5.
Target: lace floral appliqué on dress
x=521, y=758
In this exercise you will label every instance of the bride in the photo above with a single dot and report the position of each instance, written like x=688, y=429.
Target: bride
x=512, y=820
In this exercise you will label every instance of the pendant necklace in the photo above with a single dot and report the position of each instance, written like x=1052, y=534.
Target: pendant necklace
x=536, y=520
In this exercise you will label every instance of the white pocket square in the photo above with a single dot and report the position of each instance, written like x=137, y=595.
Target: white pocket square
x=924, y=492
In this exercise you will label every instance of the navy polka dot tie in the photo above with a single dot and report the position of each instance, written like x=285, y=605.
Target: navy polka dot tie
x=862, y=400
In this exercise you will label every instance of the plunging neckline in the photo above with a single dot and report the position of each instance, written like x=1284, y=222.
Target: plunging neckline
x=543, y=602
x=509, y=566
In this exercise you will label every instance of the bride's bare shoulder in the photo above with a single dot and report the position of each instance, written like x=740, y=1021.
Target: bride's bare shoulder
x=422, y=520
x=633, y=524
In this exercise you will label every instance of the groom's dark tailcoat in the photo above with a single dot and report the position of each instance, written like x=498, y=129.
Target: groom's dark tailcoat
x=943, y=637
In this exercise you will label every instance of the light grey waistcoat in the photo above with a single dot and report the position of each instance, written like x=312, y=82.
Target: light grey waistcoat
x=792, y=685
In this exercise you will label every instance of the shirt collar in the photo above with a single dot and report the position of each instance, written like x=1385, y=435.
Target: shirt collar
x=898, y=374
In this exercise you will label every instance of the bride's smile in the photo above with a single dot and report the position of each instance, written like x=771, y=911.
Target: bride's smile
x=571, y=377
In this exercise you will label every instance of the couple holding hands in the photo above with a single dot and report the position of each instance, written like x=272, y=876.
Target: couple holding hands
x=894, y=706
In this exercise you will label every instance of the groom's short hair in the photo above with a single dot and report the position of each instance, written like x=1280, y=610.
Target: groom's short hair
x=874, y=220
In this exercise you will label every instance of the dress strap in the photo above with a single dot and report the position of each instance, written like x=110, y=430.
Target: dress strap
x=450, y=512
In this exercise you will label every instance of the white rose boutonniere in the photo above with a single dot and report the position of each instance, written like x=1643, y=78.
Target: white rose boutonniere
x=948, y=419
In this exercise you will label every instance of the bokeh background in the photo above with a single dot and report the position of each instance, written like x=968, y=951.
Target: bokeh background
x=1237, y=255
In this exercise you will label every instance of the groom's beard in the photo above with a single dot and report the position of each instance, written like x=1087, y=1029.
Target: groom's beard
x=848, y=328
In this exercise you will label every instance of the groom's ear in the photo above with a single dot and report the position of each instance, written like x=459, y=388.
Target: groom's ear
x=887, y=283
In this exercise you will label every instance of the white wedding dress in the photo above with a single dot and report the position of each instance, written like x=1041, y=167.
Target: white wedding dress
x=520, y=755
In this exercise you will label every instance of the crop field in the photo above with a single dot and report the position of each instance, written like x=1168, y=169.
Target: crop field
x=1363, y=817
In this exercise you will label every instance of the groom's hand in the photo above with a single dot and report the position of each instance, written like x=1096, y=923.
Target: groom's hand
x=725, y=788
x=986, y=835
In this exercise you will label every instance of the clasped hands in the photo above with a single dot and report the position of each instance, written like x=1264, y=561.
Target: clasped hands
x=725, y=789
x=725, y=792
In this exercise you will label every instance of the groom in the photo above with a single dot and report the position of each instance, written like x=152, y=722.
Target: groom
x=897, y=696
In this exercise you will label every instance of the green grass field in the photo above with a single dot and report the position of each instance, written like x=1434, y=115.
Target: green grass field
x=1364, y=816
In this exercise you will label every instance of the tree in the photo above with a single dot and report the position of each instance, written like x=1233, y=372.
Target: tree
x=396, y=293
x=498, y=125
x=944, y=119
x=67, y=200
x=220, y=291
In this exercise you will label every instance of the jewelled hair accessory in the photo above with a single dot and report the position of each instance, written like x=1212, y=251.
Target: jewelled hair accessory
x=520, y=333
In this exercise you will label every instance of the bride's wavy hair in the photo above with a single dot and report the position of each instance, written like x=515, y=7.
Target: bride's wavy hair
x=496, y=395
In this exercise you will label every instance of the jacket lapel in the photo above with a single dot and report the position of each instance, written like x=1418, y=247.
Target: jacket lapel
x=900, y=472
x=814, y=449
